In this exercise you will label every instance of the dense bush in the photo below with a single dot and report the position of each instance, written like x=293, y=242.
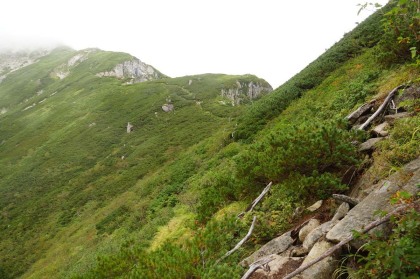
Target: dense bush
x=306, y=149
x=401, y=40
x=220, y=186
x=196, y=258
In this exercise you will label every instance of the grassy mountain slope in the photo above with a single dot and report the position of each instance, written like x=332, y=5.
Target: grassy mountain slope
x=81, y=198
x=65, y=152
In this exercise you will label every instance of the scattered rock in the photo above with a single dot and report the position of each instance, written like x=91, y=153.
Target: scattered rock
x=378, y=200
x=392, y=117
x=129, y=127
x=315, y=206
x=369, y=145
x=317, y=233
x=381, y=129
x=299, y=251
x=323, y=269
x=167, y=107
x=410, y=93
x=311, y=225
x=278, y=268
x=341, y=211
x=274, y=246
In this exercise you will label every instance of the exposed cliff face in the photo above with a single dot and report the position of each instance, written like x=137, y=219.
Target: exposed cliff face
x=11, y=61
x=135, y=70
x=245, y=91
x=64, y=70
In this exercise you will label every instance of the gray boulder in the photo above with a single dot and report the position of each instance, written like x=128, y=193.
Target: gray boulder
x=315, y=206
x=392, y=117
x=381, y=129
x=274, y=246
x=341, y=211
x=167, y=107
x=312, y=224
x=365, y=212
x=323, y=269
x=369, y=145
x=317, y=233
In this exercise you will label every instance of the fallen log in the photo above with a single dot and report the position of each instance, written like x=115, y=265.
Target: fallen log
x=248, y=235
x=381, y=107
x=333, y=249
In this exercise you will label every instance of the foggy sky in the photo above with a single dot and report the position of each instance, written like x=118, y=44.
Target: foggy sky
x=272, y=39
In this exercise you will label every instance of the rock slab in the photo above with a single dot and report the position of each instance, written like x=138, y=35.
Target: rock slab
x=365, y=212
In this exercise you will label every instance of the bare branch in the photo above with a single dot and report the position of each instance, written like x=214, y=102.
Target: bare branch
x=248, y=235
x=257, y=264
x=333, y=249
x=257, y=200
x=381, y=108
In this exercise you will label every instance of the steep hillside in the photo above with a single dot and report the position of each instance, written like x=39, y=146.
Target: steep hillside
x=77, y=130
x=109, y=169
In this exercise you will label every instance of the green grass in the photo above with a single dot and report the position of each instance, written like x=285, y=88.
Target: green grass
x=82, y=198
x=70, y=155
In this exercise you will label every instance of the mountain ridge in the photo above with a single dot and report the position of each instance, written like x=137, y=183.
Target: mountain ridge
x=102, y=177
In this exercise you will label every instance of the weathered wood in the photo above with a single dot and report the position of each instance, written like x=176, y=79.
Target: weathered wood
x=248, y=235
x=381, y=107
x=346, y=199
x=360, y=111
x=333, y=249
x=256, y=265
x=257, y=200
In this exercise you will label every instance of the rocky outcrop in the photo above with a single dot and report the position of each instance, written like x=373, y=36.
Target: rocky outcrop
x=245, y=91
x=64, y=70
x=134, y=70
x=378, y=200
x=322, y=237
x=167, y=107
x=129, y=127
x=11, y=61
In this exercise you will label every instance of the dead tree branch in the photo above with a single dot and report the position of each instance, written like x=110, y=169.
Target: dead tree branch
x=333, y=249
x=381, y=108
x=360, y=111
x=248, y=235
x=256, y=265
x=257, y=200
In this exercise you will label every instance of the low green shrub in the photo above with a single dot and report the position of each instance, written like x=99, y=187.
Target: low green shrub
x=396, y=256
x=402, y=145
x=304, y=149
